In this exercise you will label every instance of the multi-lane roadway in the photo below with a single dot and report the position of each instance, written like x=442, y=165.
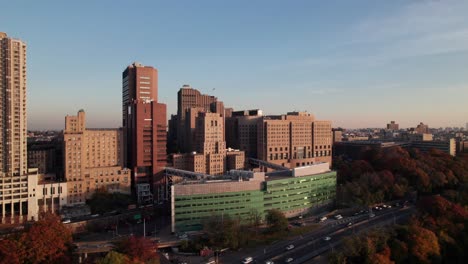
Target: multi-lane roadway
x=323, y=240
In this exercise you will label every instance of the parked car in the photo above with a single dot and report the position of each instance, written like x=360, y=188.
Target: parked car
x=289, y=260
x=66, y=221
x=269, y=262
x=323, y=219
x=327, y=238
x=338, y=217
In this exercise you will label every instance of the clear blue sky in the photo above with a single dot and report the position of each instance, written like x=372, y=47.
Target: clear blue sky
x=357, y=63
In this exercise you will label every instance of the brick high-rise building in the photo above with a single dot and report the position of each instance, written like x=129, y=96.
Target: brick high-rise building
x=294, y=140
x=93, y=159
x=211, y=155
x=189, y=98
x=145, y=127
x=13, y=130
x=241, y=131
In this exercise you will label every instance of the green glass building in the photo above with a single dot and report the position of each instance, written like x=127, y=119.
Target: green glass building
x=293, y=192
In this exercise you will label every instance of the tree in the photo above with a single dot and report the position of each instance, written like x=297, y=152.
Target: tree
x=276, y=221
x=137, y=248
x=114, y=258
x=46, y=241
x=11, y=252
x=423, y=244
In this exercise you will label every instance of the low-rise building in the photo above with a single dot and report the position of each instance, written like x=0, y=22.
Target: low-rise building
x=243, y=193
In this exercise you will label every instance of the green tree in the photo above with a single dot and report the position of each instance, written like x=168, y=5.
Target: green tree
x=276, y=221
x=114, y=258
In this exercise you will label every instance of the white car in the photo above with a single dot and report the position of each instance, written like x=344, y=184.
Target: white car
x=290, y=247
x=350, y=224
x=289, y=260
x=269, y=262
x=247, y=260
x=66, y=221
x=327, y=238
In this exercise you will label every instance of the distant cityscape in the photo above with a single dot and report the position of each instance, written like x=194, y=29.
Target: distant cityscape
x=207, y=159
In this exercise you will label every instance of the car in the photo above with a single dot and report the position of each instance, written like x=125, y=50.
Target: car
x=350, y=224
x=183, y=236
x=338, y=217
x=289, y=260
x=66, y=221
x=389, y=206
x=323, y=219
x=247, y=260
x=300, y=217
x=327, y=238
x=289, y=247
x=384, y=206
x=371, y=215
x=269, y=262
x=95, y=215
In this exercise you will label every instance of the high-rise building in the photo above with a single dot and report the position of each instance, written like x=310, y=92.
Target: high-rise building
x=392, y=126
x=294, y=140
x=189, y=98
x=93, y=159
x=13, y=130
x=211, y=155
x=145, y=127
x=241, y=131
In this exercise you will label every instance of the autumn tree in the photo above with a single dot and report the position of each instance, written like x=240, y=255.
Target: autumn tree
x=137, y=248
x=46, y=241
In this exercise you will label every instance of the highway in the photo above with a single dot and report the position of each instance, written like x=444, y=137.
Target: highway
x=313, y=244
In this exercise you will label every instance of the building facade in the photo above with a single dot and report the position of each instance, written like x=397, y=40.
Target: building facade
x=13, y=131
x=241, y=131
x=189, y=102
x=422, y=128
x=145, y=127
x=293, y=192
x=294, y=140
x=211, y=155
x=393, y=126
x=93, y=159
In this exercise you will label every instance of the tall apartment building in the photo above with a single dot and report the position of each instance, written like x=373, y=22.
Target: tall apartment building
x=13, y=130
x=93, y=159
x=392, y=126
x=294, y=140
x=145, y=127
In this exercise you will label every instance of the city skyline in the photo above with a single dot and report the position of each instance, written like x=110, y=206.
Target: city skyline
x=358, y=64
